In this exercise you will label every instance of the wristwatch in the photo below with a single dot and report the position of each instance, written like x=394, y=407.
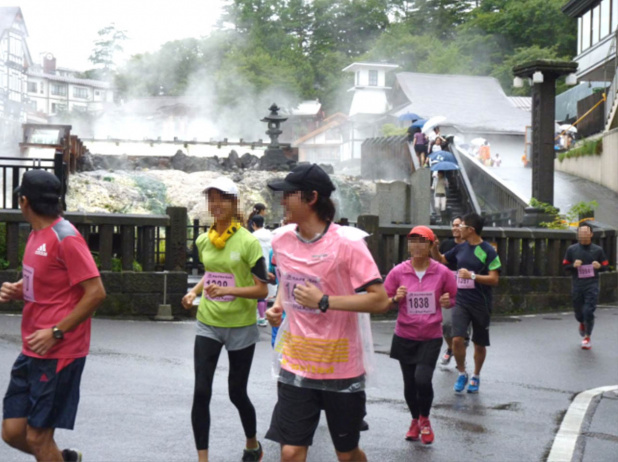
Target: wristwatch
x=323, y=303
x=472, y=276
x=57, y=333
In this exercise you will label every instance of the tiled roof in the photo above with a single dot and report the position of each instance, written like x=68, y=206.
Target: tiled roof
x=471, y=103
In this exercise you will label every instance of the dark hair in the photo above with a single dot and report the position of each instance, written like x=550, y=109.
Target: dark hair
x=324, y=206
x=257, y=208
x=474, y=220
x=585, y=224
x=47, y=209
x=457, y=217
x=258, y=221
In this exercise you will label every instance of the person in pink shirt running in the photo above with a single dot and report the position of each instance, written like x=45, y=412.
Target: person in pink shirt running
x=419, y=287
x=327, y=280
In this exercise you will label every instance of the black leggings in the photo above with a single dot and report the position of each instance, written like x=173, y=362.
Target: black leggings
x=206, y=355
x=417, y=388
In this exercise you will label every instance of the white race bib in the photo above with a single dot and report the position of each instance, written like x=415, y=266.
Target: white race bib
x=222, y=280
x=287, y=283
x=421, y=303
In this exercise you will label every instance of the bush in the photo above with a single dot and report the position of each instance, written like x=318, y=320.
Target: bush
x=588, y=148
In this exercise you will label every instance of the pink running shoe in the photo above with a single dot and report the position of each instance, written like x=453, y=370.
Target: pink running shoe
x=414, y=431
x=427, y=435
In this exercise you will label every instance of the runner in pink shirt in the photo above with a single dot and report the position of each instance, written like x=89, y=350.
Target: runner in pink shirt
x=419, y=287
x=61, y=289
x=327, y=280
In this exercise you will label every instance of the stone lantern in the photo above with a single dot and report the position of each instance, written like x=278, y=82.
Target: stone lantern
x=273, y=158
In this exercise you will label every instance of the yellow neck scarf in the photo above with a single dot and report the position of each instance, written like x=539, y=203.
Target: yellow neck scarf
x=220, y=240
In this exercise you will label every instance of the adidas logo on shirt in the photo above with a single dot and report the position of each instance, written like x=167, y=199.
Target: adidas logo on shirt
x=41, y=251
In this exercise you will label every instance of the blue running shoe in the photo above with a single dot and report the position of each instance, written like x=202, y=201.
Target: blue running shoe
x=461, y=382
x=473, y=386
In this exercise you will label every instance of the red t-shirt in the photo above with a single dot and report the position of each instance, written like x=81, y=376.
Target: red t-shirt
x=56, y=260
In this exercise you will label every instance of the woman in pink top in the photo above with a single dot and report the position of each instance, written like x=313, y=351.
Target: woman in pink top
x=419, y=287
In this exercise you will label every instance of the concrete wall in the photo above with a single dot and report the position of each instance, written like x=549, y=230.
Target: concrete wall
x=128, y=293
x=601, y=169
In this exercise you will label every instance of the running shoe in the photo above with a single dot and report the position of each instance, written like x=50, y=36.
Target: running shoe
x=586, y=343
x=427, y=435
x=414, y=431
x=253, y=455
x=262, y=322
x=461, y=382
x=71, y=455
x=473, y=386
x=446, y=358
x=582, y=329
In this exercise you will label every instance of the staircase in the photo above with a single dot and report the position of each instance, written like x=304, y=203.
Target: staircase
x=454, y=203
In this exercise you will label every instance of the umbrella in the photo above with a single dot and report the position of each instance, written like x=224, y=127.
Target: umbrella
x=443, y=166
x=441, y=156
x=568, y=128
x=433, y=122
x=478, y=141
x=409, y=116
x=419, y=123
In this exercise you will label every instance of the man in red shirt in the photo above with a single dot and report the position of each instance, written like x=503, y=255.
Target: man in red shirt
x=61, y=288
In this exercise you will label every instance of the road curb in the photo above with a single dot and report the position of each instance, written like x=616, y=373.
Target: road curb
x=565, y=441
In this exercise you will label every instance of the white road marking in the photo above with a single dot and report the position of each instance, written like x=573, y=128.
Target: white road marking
x=566, y=439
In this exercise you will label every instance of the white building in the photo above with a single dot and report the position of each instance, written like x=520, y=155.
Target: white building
x=52, y=90
x=370, y=100
x=14, y=61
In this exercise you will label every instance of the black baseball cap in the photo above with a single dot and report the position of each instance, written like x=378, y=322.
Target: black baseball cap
x=40, y=186
x=305, y=177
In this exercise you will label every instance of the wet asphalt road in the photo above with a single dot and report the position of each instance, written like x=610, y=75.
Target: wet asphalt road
x=137, y=393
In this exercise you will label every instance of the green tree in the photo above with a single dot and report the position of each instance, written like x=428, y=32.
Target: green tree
x=106, y=48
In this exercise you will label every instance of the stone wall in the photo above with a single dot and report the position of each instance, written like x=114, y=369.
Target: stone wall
x=541, y=294
x=128, y=293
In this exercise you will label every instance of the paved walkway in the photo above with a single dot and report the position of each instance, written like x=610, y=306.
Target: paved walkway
x=138, y=384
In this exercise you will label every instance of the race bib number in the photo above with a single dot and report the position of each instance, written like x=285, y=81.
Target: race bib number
x=585, y=271
x=421, y=303
x=222, y=280
x=289, y=281
x=465, y=283
x=28, y=283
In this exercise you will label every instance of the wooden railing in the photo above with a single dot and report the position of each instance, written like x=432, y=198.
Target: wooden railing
x=13, y=168
x=522, y=251
x=156, y=242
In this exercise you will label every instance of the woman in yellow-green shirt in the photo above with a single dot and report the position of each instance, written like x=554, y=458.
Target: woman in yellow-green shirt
x=235, y=277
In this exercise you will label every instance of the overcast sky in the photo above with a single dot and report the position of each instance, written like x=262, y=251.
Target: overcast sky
x=68, y=28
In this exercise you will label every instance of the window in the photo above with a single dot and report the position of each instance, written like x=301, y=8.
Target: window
x=32, y=87
x=614, y=15
x=56, y=107
x=605, y=18
x=15, y=83
x=80, y=92
x=58, y=89
x=586, y=20
x=97, y=93
x=373, y=78
x=579, y=35
x=595, y=24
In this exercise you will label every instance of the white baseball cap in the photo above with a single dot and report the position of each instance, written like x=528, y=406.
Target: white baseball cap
x=223, y=184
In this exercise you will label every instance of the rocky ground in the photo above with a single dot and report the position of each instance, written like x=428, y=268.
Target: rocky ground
x=150, y=191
